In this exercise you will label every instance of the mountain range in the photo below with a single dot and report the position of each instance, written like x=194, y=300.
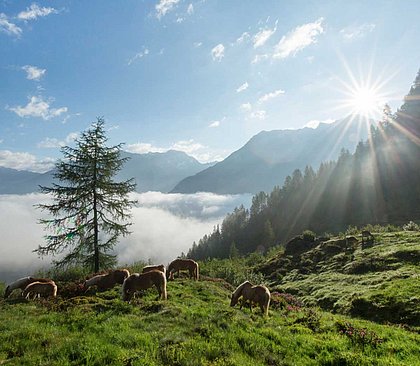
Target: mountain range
x=268, y=157
x=152, y=172
x=159, y=171
x=263, y=162
x=14, y=181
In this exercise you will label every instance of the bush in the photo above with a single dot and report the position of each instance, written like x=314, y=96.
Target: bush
x=283, y=300
x=359, y=336
x=308, y=235
x=411, y=226
x=233, y=271
x=311, y=319
x=69, y=274
x=137, y=266
x=352, y=230
x=275, y=251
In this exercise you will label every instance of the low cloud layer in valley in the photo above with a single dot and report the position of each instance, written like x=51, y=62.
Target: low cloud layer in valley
x=164, y=225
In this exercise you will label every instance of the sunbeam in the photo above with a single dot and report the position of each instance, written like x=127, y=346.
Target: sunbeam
x=363, y=93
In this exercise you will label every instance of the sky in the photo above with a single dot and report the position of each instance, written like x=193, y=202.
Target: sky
x=197, y=76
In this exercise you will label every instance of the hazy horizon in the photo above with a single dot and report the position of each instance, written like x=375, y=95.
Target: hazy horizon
x=164, y=225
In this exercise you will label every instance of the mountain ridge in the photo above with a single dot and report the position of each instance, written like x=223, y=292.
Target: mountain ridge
x=268, y=157
x=151, y=171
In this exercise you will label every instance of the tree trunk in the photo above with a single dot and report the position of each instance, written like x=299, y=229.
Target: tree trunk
x=95, y=215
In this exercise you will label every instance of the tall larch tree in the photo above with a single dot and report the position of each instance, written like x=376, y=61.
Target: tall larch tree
x=90, y=210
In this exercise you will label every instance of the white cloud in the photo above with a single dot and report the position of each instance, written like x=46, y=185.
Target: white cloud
x=198, y=44
x=139, y=55
x=218, y=52
x=187, y=146
x=21, y=234
x=243, y=87
x=33, y=72
x=8, y=27
x=214, y=124
x=34, y=12
x=259, y=58
x=315, y=123
x=113, y=127
x=165, y=6
x=74, y=135
x=190, y=9
x=38, y=107
x=144, y=148
x=354, y=32
x=260, y=114
x=246, y=107
x=198, y=151
x=186, y=218
x=263, y=36
x=297, y=39
x=55, y=143
x=244, y=37
x=217, y=123
x=24, y=161
x=197, y=205
x=49, y=143
x=271, y=95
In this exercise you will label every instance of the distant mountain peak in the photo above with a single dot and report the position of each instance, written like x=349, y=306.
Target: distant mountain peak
x=269, y=156
x=154, y=171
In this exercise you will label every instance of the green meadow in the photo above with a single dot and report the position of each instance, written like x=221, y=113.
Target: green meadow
x=314, y=318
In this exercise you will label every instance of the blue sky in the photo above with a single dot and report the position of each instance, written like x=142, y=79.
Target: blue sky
x=198, y=76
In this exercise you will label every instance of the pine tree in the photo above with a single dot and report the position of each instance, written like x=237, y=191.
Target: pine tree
x=89, y=208
x=233, y=251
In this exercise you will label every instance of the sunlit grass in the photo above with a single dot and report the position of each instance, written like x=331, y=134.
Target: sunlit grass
x=195, y=326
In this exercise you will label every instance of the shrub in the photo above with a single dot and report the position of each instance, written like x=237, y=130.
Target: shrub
x=311, y=319
x=69, y=274
x=359, y=336
x=411, y=226
x=283, y=300
x=137, y=266
x=233, y=271
x=352, y=230
x=308, y=235
x=381, y=229
x=275, y=251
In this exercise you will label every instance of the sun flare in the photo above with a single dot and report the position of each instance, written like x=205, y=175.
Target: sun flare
x=366, y=101
x=364, y=93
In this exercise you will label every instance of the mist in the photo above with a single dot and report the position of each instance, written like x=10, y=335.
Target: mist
x=164, y=225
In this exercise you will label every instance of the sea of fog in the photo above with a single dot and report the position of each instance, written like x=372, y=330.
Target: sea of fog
x=164, y=225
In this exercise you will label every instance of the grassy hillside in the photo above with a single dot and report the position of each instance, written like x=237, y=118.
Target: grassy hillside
x=380, y=282
x=195, y=326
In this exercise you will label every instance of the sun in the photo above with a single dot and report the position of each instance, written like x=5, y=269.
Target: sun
x=365, y=101
x=363, y=94
x=363, y=98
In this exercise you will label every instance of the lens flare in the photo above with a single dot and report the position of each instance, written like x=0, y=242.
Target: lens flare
x=366, y=101
x=364, y=90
